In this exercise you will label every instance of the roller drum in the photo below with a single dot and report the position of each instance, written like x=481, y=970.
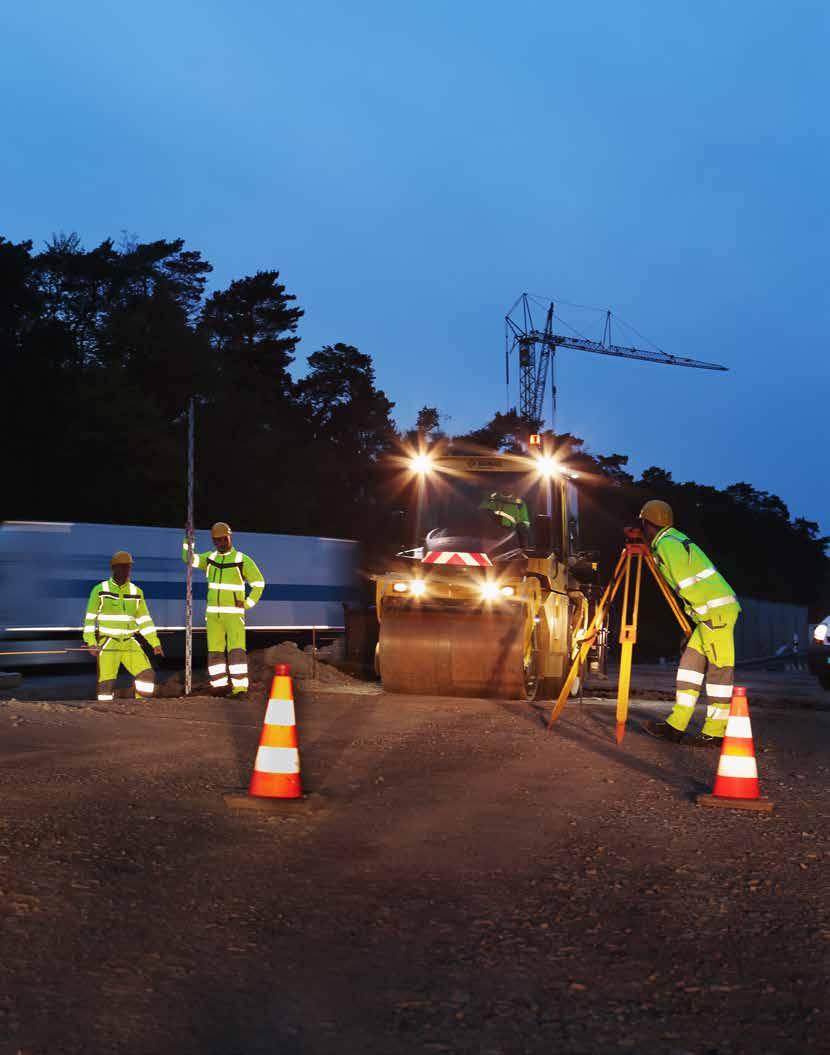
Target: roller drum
x=463, y=651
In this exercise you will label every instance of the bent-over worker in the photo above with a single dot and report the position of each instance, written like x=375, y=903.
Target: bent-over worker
x=227, y=570
x=711, y=604
x=115, y=613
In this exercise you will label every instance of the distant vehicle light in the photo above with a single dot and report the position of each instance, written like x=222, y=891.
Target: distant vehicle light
x=490, y=591
x=421, y=463
x=547, y=466
x=507, y=591
x=400, y=587
x=418, y=587
x=820, y=632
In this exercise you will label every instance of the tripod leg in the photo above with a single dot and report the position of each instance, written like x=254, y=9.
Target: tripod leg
x=585, y=647
x=628, y=637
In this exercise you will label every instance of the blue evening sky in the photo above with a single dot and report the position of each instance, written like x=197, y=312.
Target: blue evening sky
x=411, y=168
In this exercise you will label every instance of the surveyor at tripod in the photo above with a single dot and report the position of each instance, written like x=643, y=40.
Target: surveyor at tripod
x=227, y=571
x=710, y=603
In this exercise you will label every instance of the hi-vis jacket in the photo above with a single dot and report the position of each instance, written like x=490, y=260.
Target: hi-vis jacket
x=691, y=575
x=227, y=574
x=119, y=612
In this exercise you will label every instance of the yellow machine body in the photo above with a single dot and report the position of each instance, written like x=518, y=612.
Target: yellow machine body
x=482, y=626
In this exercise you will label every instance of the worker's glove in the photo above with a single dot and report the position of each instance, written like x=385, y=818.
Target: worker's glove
x=239, y=602
x=93, y=650
x=158, y=651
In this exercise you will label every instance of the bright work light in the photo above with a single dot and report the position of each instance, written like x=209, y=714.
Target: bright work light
x=421, y=463
x=547, y=466
x=417, y=587
x=490, y=591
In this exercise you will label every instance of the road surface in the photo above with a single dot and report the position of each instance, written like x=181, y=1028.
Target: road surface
x=459, y=881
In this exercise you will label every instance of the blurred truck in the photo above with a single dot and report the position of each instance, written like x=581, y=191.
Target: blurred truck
x=48, y=569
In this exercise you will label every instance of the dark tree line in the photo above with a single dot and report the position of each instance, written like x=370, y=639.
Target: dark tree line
x=101, y=350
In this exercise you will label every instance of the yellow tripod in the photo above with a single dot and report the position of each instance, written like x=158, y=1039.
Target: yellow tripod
x=636, y=548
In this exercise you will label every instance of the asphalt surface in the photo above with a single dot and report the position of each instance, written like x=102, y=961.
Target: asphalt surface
x=458, y=880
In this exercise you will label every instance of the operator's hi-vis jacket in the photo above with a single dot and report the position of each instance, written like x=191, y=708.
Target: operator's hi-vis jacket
x=690, y=573
x=227, y=574
x=115, y=611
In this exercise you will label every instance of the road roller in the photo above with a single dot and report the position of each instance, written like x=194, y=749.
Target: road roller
x=490, y=599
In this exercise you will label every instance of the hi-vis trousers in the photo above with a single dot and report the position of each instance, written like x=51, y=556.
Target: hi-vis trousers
x=226, y=630
x=710, y=653
x=126, y=650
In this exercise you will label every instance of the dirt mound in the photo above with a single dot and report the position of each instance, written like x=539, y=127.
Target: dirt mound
x=261, y=665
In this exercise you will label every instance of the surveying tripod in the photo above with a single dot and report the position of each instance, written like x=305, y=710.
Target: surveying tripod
x=638, y=549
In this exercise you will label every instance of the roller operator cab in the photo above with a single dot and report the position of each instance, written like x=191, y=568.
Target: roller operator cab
x=491, y=596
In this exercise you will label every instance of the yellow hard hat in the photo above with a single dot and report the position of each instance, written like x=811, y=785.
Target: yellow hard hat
x=658, y=513
x=121, y=557
x=220, y=529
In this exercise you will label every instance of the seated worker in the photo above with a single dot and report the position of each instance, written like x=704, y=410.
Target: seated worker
x=510, y=510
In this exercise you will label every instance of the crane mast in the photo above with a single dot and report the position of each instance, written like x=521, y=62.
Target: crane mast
x=537, y=348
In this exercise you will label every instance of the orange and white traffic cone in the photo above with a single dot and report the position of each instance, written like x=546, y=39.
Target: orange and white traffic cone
x=736, y=781
x=276, y=773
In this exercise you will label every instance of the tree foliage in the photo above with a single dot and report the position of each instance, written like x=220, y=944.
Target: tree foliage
x=102, y=348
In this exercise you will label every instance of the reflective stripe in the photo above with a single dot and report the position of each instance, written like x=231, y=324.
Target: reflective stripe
x=719, y=714
x=219, y=683
x=695, y=677
x=238, y=668
x=145, y=631
x=239, y=683
x=115, y=618
x=224, y=608
x=144, y=686
x=227, y=586
x=740, y=728
x=105, y=696
x=692, y=579
x=735, y=766
x=113, y=632
x=718, y=602
x=256, y=585
x=249, y=603
x=216, y=668
x=280, y=712
x=277, y=760
x=144, y=619
x=686, y=699
x=723, y=692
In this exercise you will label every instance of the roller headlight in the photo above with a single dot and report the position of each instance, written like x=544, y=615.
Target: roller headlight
x=400, y=587
x=820, y=632
x=417, y=587
x=507, y=591
x=490, y=591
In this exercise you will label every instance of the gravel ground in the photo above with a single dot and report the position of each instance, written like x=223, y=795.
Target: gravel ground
x=459, y=881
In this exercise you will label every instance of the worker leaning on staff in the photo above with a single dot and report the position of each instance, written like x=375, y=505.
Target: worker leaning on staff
x=227, y=571
x=115, y=614
x=711, y=604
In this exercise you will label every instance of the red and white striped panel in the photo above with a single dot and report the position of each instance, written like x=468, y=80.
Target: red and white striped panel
x=469, y=560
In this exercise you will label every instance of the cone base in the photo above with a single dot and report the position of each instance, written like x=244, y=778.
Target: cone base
x=241, y=800
x=759, y=805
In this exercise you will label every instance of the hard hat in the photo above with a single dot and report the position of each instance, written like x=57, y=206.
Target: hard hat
x=657, y=513
x=220, y=529
x=121, y=557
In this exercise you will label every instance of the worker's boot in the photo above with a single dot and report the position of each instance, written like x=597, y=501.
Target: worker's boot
x=704, y=740
x=662, y=731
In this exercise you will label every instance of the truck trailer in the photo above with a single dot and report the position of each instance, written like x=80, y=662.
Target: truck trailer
x=48, y=569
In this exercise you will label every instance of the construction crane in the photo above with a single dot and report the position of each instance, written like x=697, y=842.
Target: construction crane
x=537, y=351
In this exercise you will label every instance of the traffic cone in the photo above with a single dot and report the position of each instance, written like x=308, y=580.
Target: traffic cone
x=277, y=764
x=276, y=775
x=736, y=781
